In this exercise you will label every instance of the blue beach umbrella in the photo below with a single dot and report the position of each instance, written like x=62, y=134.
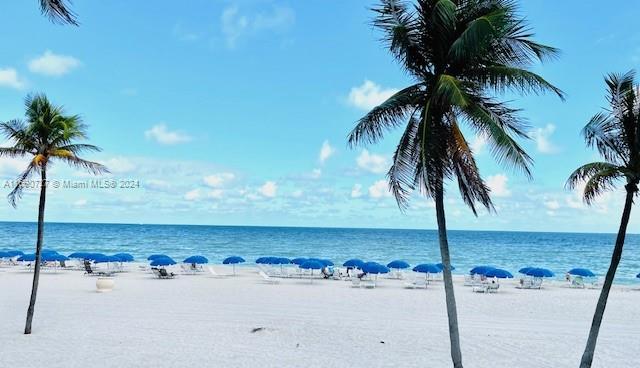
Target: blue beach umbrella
x=374, y=268
x=324, y=262
x=196, y=260
x=298, y=261
x=354, y=262
x=263, y=260
x=48, y=251
x=27, y=258
x=14, y=253
x=539, y=272
x=78, y=255
x=638, y=275
x=154, y=256
x=312, y=265
x=124, y=257
x=4, y=254
x=233, y=260
x=427, y=268
x=499, y=273
x=441, y=266
x=398, y=264
x=581, y=272
x=480, y=270
x=524, y=270
x=163, y=261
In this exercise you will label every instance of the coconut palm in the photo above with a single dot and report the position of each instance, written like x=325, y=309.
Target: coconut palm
x=58, y=11
x=459, y=53
x=615, y=133
x=47, y=135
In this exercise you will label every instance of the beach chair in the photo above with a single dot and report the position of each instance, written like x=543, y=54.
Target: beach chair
x=492, y=287
x=90, y=272
x=479, y=287
x=369, y=284
x=162, y=273
x=577, y=282
x=417, y=283
x=213, y=272
x=355, y=282
x=268, y=279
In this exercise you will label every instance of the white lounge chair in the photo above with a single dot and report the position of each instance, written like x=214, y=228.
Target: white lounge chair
x=355, y=282
x=418, y=283
x=268, y=279
x=577, y=283
x=213, y=272
x=369, y=284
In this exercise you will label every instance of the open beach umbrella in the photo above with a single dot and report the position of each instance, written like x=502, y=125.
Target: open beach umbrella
x=499, y=273
x=427, y=268
x=14, y=253
x=27, y=258
x=4, y=254
x=196, y=260
x=398, y=264
x=154, y=256
x=324, y=262
x=539, y=272
x=233, y=260
x=441, y=266
x=480, y=270
x=124, y=257
x=524, y=270
x=354, y=262
x=163, y=261
x=374, y=268
x=312, y=265
x=263, y=260
x=298, y=261
x=78, y=255
x=581, y=272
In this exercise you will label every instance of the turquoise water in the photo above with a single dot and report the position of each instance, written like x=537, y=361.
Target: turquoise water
x=509, y=250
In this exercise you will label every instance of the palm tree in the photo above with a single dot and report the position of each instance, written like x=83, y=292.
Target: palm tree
x=46, y=135
x=458, y=52
x=615, y=132
x=58, y=12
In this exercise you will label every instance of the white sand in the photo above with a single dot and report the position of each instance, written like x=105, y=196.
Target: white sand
x=200, y=321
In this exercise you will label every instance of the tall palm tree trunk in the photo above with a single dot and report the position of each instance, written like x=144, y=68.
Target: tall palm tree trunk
x=454, y=335
x=587, y=356
x=36, y=271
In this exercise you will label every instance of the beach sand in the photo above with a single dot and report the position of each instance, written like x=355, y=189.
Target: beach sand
x=208, y=322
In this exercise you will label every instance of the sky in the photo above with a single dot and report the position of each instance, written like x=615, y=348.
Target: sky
x=237, y=113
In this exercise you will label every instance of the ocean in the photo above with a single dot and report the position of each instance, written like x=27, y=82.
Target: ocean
x=510, y=250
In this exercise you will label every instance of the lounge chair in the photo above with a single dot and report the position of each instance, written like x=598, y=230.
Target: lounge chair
x=89, y=271
x=417, y=283
x=213, y=272
x=369, y=284
x=577, y=282
x=162, y=273
x=492, y=287
x=268, y=279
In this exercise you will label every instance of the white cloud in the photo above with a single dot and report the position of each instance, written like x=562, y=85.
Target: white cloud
x=379, y=189
x=236, y=25
x=542, y=138
x=158, y=185
x=478, y=143
x=80, y=203
x=316, y=173
x=498, y=185
x=369, y=95
x=53, y=64
x=371, y=162
x=192, y=195
x=181, y=33
x=161, y=134
x=9, y=78
x=218, y=180
x=215, y=194
x=326, y=151
x=268, y=189
x=552, y=205
x=10, y=166
x=356, y=191
x=119, y=165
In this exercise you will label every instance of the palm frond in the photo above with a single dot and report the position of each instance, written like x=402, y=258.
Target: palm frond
x=585, y=172
x=388, y=115
x=16, y=193
x=502, y=78
x=89, y=166
x=58, y=11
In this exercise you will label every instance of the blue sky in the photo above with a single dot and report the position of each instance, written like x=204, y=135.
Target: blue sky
x=237, y=112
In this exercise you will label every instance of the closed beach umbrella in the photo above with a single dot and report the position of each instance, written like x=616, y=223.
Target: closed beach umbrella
x=163, y=261
x=480, y=270
x=442, y=266
x=499, y=273
x=427, y=268
x=196, y=260
x=124, y=257
x=581, y=272
x=298, y=261
x=539, y=272
x=233, y=260
x=398, y=264
x=354, y=262
x=154, y=256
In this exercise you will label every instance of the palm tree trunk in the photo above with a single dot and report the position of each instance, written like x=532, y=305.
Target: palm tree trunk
x=454, y=335
x=36, y=271
x=587, y=356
